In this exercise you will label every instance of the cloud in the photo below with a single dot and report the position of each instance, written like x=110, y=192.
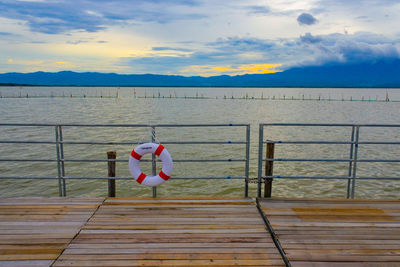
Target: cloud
x=259, y=10
x=6, y=34
x=309, y=38
x=239, y=44
x=166, y=48
x=54, y=17
x=239, y=55
x=306, y=19
x=347, y=48
x=76, y=42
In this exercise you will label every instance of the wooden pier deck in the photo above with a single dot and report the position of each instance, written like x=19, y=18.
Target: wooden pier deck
x=198, y=232
x=336, y=232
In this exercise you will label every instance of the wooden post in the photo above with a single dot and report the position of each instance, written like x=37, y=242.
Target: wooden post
x=111, y=173
x=269, y=169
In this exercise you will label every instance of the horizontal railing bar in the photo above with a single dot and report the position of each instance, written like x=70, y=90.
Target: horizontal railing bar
x=379, y=143
x=165, y=142
x=29, y=124
x=307, y=124
x=29, y=177
x=117, y=178
x=330, y=124
x=330, y=177
x=172, y=178
x=125, y=125
x=334, y=160
x=333, y=142
x=26, y=142
x=378, y=160
x=378, y=178
x=30, y=160
x=149, y=160
x=100, y=143
x=308, y=142
x=306, y=177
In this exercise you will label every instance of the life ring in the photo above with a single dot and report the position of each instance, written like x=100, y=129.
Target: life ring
x=146, y=148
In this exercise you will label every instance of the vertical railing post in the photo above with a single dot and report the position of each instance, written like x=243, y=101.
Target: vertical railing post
x=247, y=167
x=351, y=161
x=260, y=157
x=111, y=172
x=355, y=156
x=62, y=160
x=269, y=169
x=60, y=191
x=153, y=159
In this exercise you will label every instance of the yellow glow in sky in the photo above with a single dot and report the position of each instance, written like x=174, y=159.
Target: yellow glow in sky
x=229, y=70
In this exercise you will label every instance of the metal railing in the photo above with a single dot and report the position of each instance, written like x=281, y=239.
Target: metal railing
x=352, y=160
x=60, y=144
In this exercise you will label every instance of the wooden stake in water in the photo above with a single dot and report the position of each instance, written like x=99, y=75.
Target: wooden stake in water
x=269, y=169
x=111, y=173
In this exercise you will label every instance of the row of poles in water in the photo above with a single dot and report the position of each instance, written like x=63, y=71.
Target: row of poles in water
x=200, y=96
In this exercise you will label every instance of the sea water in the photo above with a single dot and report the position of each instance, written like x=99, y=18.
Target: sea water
x=129, y=105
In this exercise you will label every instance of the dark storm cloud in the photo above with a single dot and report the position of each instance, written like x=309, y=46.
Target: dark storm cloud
x=306, y=19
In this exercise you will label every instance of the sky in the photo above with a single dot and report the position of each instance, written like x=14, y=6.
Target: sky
x=194, y=37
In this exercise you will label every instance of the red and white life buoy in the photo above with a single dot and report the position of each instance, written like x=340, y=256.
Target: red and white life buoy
x=146, y=148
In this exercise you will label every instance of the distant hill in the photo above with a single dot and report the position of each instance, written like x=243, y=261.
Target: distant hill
x=378, y=74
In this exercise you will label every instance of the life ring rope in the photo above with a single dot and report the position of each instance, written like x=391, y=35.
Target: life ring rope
x=157, y=149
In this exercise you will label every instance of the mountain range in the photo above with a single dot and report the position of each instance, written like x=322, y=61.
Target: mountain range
x=385, y=74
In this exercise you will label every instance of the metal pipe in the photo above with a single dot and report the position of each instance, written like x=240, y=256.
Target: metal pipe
x=247, y=164
x=330, y=124
x=26, y=142
x=29, y=177
x=199, y=125
x=62, y=162
x=153, y=159
x=317, y=160
x=31, y=160
x=332, y=142
x=125, y=125
x=60, y=192
x=172, y=178
x=354, y=174
x=227, y=142
x=260, y=157
x=307, y=142
x=351, y=162
x=203, y=160
x=142, y=160
x=305, y=177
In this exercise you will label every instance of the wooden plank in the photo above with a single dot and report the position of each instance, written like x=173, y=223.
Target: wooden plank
x=107, y=251
x=250, y=262
x=34, y=231
x=171, y=256
x=26, y=263
x=344, y=264
x=173, y=232
x=336, y=232
x=327, y=257
x=172, y=245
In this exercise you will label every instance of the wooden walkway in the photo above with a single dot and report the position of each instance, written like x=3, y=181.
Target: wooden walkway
x=197, y=232
x=138, y=232
x=35, y=231
x=336, y=232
